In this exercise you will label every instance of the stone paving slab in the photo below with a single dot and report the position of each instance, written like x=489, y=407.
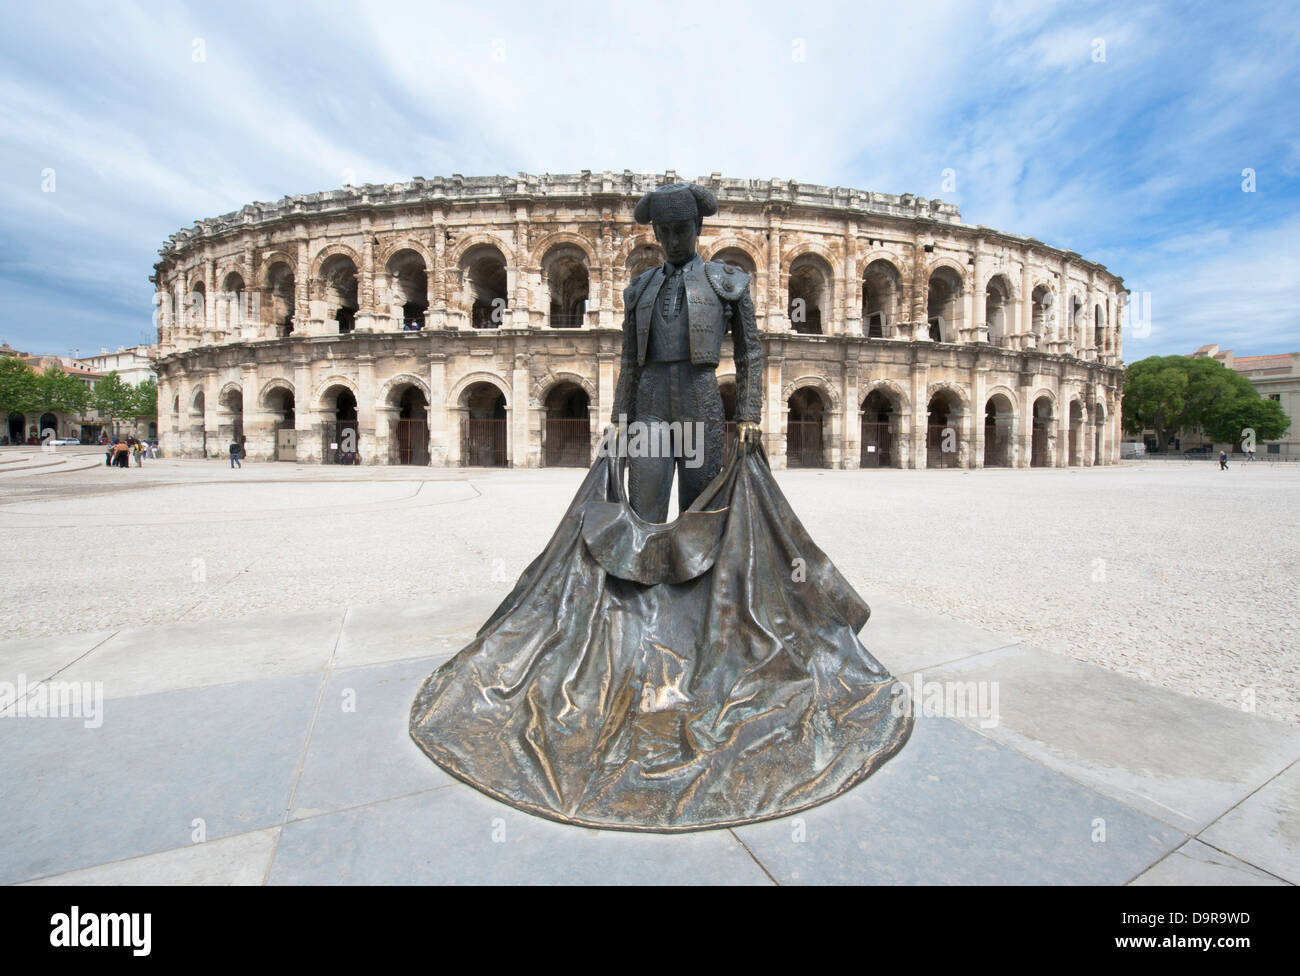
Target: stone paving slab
x=906, y=638
x=456, y=835
x=239, y=860
x=288, y=736
x=955, y=807
x=147, y=660
x=1197, y=864
x=1265, y=827
x=374, y=634
x=1179, y=759
x=37, y=658
x=361, y=750
x=76, y=797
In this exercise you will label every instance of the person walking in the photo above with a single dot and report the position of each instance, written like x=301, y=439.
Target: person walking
x=1223, y=460
x=137, y=449
x=235, y=451
x=120, y=451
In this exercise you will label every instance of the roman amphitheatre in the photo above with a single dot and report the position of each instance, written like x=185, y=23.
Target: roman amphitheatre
x=476, y=321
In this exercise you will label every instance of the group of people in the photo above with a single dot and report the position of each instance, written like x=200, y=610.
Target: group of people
x=118, y=453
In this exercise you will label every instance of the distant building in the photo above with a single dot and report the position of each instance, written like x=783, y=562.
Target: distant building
x=1276, y=377
x=133, y=364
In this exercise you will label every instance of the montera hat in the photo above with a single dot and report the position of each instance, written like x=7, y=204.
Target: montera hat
x=676, y=201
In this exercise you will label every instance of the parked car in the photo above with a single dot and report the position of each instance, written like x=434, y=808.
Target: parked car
x=66, y=441
x=1130, y=450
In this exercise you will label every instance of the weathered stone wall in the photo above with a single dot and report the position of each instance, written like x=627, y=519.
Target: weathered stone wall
x=412, y=267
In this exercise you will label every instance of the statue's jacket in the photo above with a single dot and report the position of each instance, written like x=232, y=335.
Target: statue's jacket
x=717, y=301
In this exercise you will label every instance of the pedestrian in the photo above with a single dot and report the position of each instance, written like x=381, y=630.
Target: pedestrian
x=120, y=452
x=108, y=454
x=137, y=449
x=235, y=451
x=1223, y=460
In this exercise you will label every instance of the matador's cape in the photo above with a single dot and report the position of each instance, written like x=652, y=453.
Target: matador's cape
x=643, y=676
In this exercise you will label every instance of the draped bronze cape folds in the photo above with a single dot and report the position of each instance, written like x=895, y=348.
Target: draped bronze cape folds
x=666, y=677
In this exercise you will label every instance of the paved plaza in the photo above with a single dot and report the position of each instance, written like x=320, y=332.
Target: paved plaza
x=259, y=634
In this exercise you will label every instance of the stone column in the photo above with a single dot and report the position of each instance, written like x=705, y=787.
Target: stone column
x=521, y=419
x=851, y=455
x=853, y=282
x=978, y=395
x=1026, y=316
x=443, y=437
x=774, y=418
x=776, y=311
x=979, y=327
x=920, y=377
x=305, y=415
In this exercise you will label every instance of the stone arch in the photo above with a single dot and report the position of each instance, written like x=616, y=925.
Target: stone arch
x=819, y=384
x=810, y=280
x=962, y=273
x=945, y=289
x=542, y=386
x=881, y=292
x=1000, y=418
x=1012, y=397
x=198, y=399
x=465, y=244
x=270, y=386
x=390, y=386
x=641, y=238
x=879, y=254
x=537, y=255
x=1042, y=309
x=890, y=388
x=1011, y=279
x=333, y=380
x=458, y=389
x=738, y=244
x=809, y=247
x=333, y=250
x=229, y=388
x=956, y=389
x=271, y=259
x=404, y=244
x=1041, y=392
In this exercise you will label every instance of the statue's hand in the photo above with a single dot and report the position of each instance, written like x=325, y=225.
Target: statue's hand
x=750, y=434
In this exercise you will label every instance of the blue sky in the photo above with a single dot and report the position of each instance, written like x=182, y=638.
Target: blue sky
x=1134, y=159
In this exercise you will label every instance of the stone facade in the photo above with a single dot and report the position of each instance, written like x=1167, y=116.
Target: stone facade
x=478, y=320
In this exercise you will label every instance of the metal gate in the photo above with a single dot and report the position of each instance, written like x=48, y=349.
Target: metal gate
x=997, y=446
x=1073, y=459
x=408, y=442
x=286, y=444
x=483, y=442
x=936, y=438
x=568, y=442
x=341, y=442
x=1038, y=455
x=803, y=444
x=877, y=445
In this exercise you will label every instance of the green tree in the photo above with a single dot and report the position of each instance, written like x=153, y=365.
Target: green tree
x=17, y=386
x=58, y=391
x=1181, y=393
x=145, y=400
x=113, y=399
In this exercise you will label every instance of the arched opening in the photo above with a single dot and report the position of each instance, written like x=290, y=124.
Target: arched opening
x=338, y=287
x=230, y=306
x=280, y=299
x=483, y=426
x=565, y=271
x=1099, y=329
x=1075, y=457
x=997, y=309
x=196, y=315
x=340, y=430
x=997, y=432
x=408, y=441
x=880, y=423
x=408, y=288
x=483, y=269
x=882, y=288
x=567, y=437
x=17, y=428
x=230, y=417
x=804, y=424
x=49, y=426
x=1076, y=322
x=727, y=388
x=1042, y=304
x=198, y=426
x=1040, y=449
x=943, y=431
x=279, y=404
x=943, y=305
x=642, y=259
x=808, y=293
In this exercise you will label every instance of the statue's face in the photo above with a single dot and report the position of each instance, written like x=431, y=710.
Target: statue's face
x=677, y=238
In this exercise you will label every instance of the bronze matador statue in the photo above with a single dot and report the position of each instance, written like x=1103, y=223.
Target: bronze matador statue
x=676, y=315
